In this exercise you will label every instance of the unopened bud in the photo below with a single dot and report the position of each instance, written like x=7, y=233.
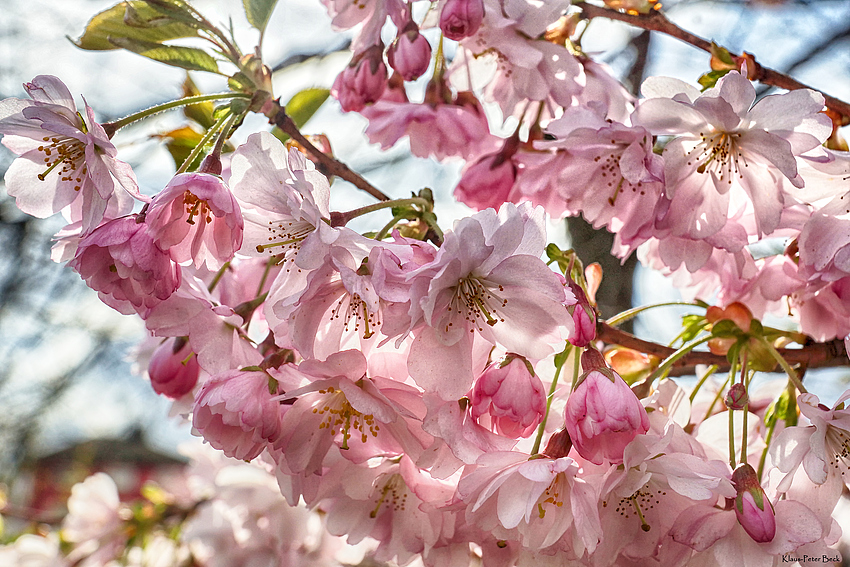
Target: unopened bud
x=736, y=397
x=753, y=509
x=559, y=444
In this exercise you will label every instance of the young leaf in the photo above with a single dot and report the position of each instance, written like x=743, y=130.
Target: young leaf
x=303, y=105
x=259, y=12
x=190, y=58
x=133, y=20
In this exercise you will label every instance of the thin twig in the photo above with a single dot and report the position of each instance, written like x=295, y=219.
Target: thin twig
x=332, y=166
x=658, y=22
x=814, y=355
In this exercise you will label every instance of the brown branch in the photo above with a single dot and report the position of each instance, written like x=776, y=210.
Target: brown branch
x=814, y=355
x=658, y=22
x=331, y=166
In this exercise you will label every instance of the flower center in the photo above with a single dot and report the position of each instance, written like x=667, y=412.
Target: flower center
x=287, y=235
x=392, y=496
x=340, y=417
x=357, y=310
x=70, y=153
x=718, y=152
x=839, y=443
x=477, y=303
x=551, y=496
x=196, y=208
x=609, y=169
x=642, y=499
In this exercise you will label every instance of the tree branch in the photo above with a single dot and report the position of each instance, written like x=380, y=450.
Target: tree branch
x=332, y=166
x=815, y=355
x=658, y=22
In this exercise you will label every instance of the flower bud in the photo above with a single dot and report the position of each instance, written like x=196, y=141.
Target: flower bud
x=512, y=395
x=753, y=509
x=603, y=415
x=736, y=397
x=173, y=368
x=559, y=444
x=363, y=81
x=461, y=18
x=410, y=53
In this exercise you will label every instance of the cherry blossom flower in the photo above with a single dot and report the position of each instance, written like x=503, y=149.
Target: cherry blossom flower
x=822, y=448
x=603, y=415
x=363, y=81
x=410, y=53
x=539, y=498
x=365, y=416
x=120, y=261
x=460, y=19
x=196, y=219
x=174, y=368
x=727, y=152
x=442, y=129
x=63, y=157
x=488, y=280
x=94, y=524
x=511, y=395
x=236, y=414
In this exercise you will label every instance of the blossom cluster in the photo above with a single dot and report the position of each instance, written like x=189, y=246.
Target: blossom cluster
x=415, y=385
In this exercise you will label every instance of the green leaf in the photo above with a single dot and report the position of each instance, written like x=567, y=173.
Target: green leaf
x=561, y=357
x=710, y=79
x=784, y=408
x=190, y=58
x=692, y=325
x=259, y=12
x=303, y=105
x=134, y=20
x=725, y=328
x=202, y=113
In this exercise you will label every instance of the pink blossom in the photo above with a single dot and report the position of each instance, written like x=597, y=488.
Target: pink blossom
x=64, y=158
x=174, y=368
x=363, y=81
x=728, y=152
x=487, y=281
x=487, y=182
x=442, y=129
x=94, y=524
x=511, y=395
x=603, y=416
x=365, y=416
x=535, y=501
x=460, y=19
x=120, y=261
x=196, y=219
x=235, y=413
x=410, y=53
x=753, y=509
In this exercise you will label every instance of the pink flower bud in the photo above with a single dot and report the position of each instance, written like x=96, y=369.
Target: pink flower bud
x=196, y=218
x=120, y=261
x=487, y=183
x=559, y=444
x=753, y=509
x=603, y=415
x=512, y=395
x=736, y=397
x=461, y=18
x=173, y=368
x=363, y=81
x=236, y=414
x=585, y=327
x=410, y=53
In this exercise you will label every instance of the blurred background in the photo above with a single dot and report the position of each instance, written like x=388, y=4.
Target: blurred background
x=70, y=399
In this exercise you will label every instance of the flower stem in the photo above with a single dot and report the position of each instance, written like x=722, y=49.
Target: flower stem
x=387, y=227
x=112, y=127
x=671, y=360
x=711, y=370
x=541, y=428
x=341, y=219
x=731, y=380
x=631, y=313
x=785, y=366
x=218, y=276
x=203, y=142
